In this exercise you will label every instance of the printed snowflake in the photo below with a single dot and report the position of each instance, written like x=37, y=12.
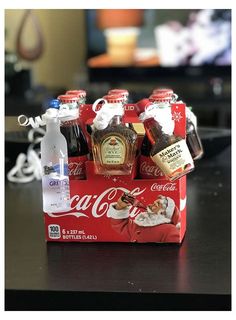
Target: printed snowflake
x=107, y=176
x=177, y=116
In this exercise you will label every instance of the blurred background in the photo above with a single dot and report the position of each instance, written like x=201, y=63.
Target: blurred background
x=50, y=51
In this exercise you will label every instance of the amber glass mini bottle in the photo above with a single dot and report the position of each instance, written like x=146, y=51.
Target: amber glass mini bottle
x=169, y=152
x=165, y=96
x=113, y=144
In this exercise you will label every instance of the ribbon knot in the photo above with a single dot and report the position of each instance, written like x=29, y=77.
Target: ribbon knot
x=105, y=113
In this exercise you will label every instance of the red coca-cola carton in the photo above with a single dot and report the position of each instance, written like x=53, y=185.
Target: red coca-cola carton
x=125, y=208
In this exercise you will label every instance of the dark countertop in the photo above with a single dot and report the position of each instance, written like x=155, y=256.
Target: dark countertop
x=120, y=276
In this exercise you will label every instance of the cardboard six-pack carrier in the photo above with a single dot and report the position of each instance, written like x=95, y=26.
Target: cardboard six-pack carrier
x=91, y=199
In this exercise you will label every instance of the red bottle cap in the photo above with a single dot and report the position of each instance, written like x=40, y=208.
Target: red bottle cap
x=124, y=92
x=160, y=95
x=166, y=91
x=114, y=98
x=142, y=105
x=68, y=98
x=79, y=93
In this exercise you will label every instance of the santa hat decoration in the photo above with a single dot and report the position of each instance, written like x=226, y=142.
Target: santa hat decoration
x=170, y=208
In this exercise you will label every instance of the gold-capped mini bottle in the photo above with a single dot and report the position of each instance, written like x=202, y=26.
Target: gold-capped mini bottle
x=113, y=144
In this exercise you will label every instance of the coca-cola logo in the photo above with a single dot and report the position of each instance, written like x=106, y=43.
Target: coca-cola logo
x=150, y=169
x=76, y=168
x=170, y=186
x=98, y=204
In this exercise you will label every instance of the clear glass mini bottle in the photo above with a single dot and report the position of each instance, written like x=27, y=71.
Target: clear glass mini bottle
x=54, y=161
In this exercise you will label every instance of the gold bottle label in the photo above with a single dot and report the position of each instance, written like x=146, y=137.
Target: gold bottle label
x=174, y=159
x=113, y=150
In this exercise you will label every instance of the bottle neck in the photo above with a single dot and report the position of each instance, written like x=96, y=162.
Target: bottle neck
x=72, y=105
x=163, y=103
x=53, y=125
x=116, y=120
x=153, y=130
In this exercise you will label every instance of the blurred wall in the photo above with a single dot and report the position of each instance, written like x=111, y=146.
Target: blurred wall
x=64, y=36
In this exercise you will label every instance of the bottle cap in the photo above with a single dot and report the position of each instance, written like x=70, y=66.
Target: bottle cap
x=78, y=93
x=164, y=91
x=68, y=98
x=114, y=98
x=124, y=92
x=159, y=97
x=142, y=105
x=162, y=95
x=54, y=103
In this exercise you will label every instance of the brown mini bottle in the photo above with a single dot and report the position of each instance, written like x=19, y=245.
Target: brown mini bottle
x=113, y=144
x=165, y=96
x=169, y=152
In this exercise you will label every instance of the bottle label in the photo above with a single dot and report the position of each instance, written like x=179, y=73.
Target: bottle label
x=148, y=169
x=56, y=189
x=174, y=160
x=56, y=170
x=77, y=170
x=113, y=150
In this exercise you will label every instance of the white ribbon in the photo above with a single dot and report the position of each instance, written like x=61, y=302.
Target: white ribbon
x=162, y=115
x=66, y=112
x=106, y=113
x=24, y=121
x=28, y=166
x=174, y=98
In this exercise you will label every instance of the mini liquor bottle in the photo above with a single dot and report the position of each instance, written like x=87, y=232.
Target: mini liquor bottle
x=54, y=161
x=147, y=168
x=169, y=152
x=113, y=144
x=164, y=97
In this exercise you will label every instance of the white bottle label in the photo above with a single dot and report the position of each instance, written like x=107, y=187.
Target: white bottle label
x=174, y=160
x=56, y=189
